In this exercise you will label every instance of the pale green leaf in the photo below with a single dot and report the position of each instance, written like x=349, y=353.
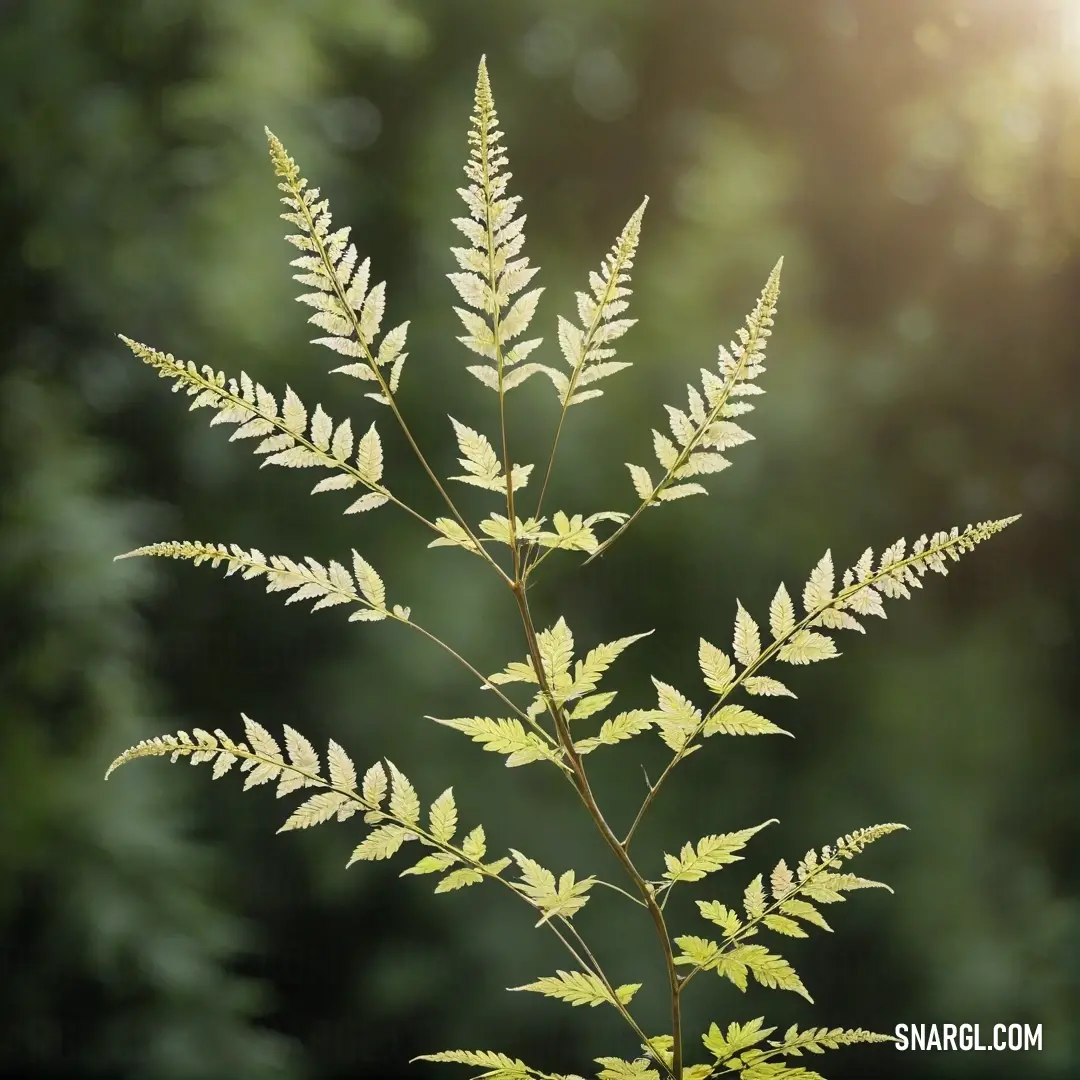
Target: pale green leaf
x=369, y=457
x=754, y=899
x=806, y=646
x=459, y=879
x=781, y=614
x=404, y=803
x=371, y=501
x=315, y=810
x=381, y=843
x=442, y=819
x=342, y=770
x=431, y=864
x=819, y=588
x=718, y=670
x=475, y=844
x=371, y=585
x=503, y=735
x=711, y=853
x=747, y=641
x=735, y=720
x=763, y=685
x=578, y=988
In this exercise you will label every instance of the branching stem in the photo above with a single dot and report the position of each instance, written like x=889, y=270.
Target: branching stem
x=585, y=792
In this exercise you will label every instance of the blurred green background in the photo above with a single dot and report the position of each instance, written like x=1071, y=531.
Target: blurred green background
x=917, y=163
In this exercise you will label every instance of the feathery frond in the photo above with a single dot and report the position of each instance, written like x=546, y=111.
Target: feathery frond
x=815, y=879
x=395, y=823
x=287, y=435
x=735, y=1048
x=586, y=347
x=706, y=430
x=680, y=721
x=491, y=273
x=507, y=735
x=580, y=988
x=736, y=962
x=308, y=580
x=709, y=855
x=481, y=464
x=497, y=1066
x=794, y=642
x=556, y=647
x=345, y=307
x=562, y=898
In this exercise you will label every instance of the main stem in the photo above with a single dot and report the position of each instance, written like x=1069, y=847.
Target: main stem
x=584, y=789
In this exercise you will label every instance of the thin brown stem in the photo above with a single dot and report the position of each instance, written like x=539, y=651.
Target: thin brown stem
x=585, y=792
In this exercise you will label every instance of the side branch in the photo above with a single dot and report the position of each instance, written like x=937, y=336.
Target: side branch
x=930, y=555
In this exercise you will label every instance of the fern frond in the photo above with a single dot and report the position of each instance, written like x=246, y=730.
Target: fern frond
x=586, y=347
x=575, y=533
x=679, y=721
x=589, y=671
x=740, y=1048
x=618, y=729
x=491, y=273
x=307, y=580
x=795, y=643
x=497, y=1066
x=263, y=761
x=562, y=898
x=615, y=1068
x=739, y=1037
x=815, y=879
x=706, y=429
x=710, y=854
x=288, y=436
x=507, y=735
x=395, y=822
x=481, y=464
x=580, y=988
x=818, y=1040
x=556, y=648
x=863, y=589
x=345, y=307
x=736, y=962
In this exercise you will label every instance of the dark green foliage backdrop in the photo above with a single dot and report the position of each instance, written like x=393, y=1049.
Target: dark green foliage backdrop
x=919, y=166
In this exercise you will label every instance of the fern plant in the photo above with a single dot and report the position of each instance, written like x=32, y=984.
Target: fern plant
x=555, y=722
